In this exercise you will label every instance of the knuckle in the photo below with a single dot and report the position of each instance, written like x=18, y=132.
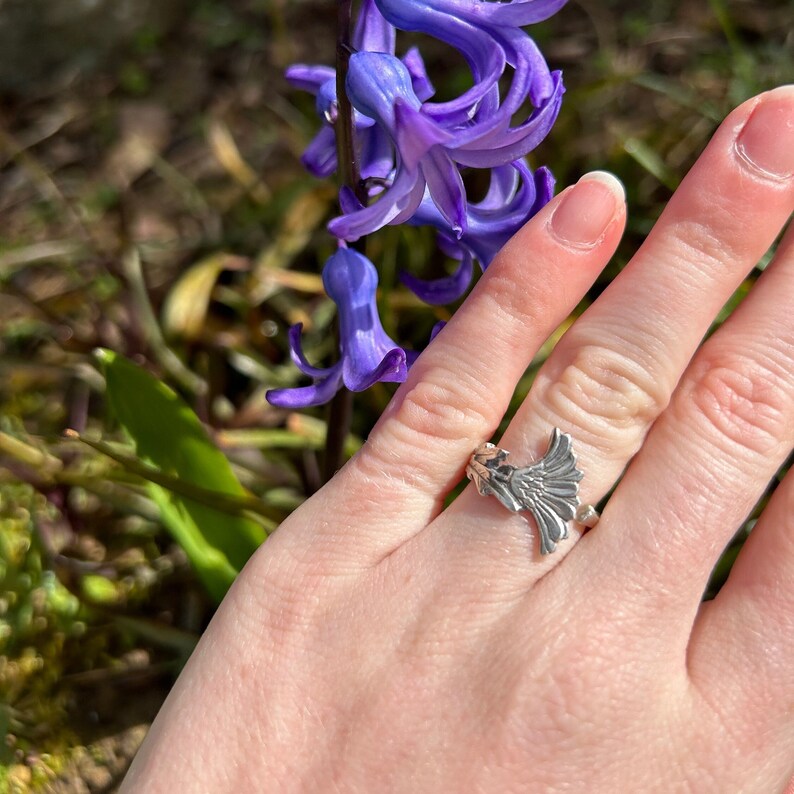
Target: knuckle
x=700, y=246
x=742, y=401
x=286, y=614
x=428, y=418
x=444, y=411
x=508, y=306
x=284, y=592
x=699, y=236
x=600, y=386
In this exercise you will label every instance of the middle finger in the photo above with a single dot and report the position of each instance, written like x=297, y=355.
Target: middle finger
x=614, y=371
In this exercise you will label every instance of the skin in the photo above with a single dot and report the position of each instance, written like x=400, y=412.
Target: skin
x=377, y=643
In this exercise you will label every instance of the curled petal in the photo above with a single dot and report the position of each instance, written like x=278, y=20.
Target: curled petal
x=318, y=393
x=514, y=196
x=395, y=205
x=448, y=245
x=439, y=18
x=523, y=54
x=411, y=356
x=516, y=142
x=348, y=202
x=504, y=183
x=439, y=291
x=296, y=354
x=516, y=207
x=537, y=124
x=490, y=229
x=360, y=373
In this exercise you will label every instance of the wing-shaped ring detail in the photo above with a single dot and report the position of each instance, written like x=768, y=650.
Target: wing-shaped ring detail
x=548, y=488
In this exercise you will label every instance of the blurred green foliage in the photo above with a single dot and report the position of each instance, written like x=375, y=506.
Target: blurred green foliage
x=39, y=615
x=217, y=539
x=156, y=207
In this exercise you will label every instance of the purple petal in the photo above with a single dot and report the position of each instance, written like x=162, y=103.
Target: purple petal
x=361, y=373
x=306, y=396
x=377, y=153
x=524, y=54
x=544, y=188
x=309, y=78
x=319, y=157
x=445, y=185
x=439, y=291
x=410, y=357
x=490, y=224
x=514, y=210
x=516, y=142
x=397, y=201
x=449, y=246
x=490, y=229
x=530, y=78
x=348, y=202
x=325, y=102
x=436, y=328
x=504, y=182
x=412, y=201
x=296, y=354
x=372, y=32
x=521, y=12
x=441, y=19
x=415, y=134
x=367, y=352
x=506, y=135
x=420, y=80
x=375, y=82
x=464, y=110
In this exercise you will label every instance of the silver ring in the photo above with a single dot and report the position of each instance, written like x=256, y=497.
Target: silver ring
x=548, y=488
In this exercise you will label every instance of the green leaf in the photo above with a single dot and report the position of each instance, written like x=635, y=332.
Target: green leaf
x=170, y=437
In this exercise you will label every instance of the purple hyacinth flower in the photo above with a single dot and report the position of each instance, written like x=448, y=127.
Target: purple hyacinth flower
x=375, y=153
x=379, y=85
x=429, y=149
x=514, y=196
x=366, y=353
x=473, y=27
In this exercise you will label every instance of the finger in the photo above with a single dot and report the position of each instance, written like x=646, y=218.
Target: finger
x=614, y=371
x=459, y=388
x=750, y=624
x=743, y=643
x=707, y=460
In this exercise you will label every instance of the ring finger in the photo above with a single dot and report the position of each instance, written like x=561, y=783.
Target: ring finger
x=613, y=373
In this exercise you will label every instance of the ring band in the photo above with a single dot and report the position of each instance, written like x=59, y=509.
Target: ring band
x=548, y=488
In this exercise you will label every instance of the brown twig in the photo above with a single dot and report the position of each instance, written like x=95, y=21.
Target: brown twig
x=341, y=409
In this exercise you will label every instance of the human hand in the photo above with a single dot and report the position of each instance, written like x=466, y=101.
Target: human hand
x=379, y=643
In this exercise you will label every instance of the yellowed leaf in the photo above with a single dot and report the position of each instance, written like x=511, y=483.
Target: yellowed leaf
x=185, y=308
x=228, y=155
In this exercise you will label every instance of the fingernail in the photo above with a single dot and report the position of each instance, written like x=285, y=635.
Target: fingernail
x=587, y=209
x=766, y=141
